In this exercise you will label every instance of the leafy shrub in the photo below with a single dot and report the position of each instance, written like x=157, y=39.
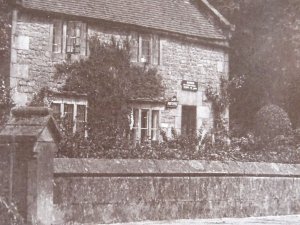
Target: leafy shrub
x=210, y=146
x=271, y=121
x=245, y=143
x=5, y=102
x=296, y=134
x=110, y=81
x=9, y=214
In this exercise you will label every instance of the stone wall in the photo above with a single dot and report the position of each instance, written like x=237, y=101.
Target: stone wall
x=5, y=171
x=108, y=191
x=33, y=61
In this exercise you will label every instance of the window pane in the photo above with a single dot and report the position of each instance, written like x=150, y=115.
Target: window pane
x=134, y=133
x=134, y=43
x=154, y=125
x=155, y=50
x=73, y=37
x=80, y=113
x=80, y=118
x=68, y=115
x=144, y=119
x=145, y=53
x=69, y=37
x=135, y=118
x=144, y=124
x=56, y=110
x=57, y=36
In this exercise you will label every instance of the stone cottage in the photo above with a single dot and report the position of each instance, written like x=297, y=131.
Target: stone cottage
x=187, y=40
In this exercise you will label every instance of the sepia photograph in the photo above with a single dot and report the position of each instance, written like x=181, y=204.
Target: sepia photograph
x=149, y=112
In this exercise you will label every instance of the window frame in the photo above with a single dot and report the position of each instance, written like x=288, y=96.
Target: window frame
x=57, y=36
x=154, y=48
x=136, y=134
x=73, y=27
x=60, y=31
x=75, y=102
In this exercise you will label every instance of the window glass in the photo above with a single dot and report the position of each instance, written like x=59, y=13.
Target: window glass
x=154, y=125
x=68, y=115
x=57, y=36
x=56, y=110
x=73, y=37
x=144, y=119
x=134, y=50
x=145, y=124
x=145, y=51
x=80, y=113
x=80, y=117
x=135, y=118
x=135, y=135
x=71, y=112
x=156, y=50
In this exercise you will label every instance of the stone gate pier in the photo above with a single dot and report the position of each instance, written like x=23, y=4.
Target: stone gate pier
x=27, y=148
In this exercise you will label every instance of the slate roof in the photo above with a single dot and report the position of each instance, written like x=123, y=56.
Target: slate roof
x=179, y=16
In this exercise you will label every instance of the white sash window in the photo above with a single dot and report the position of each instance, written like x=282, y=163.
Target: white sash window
x=145, y=124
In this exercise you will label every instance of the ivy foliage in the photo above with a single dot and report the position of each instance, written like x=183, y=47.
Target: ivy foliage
x=9, y=213
x=110, y=80
x=5, y=29
x=220, y=99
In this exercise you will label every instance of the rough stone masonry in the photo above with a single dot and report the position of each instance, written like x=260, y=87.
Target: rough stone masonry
x=89, y=191
x=33, y=64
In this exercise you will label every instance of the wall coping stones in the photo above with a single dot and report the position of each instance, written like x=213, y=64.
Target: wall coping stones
x=143, y=167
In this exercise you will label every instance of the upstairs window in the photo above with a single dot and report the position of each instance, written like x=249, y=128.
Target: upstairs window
x=73, y=37
x=57, y=36
x=69, y=37
x=145, y=49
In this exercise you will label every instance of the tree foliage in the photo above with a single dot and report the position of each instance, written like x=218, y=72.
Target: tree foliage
x=265, y=56
x=5, y=27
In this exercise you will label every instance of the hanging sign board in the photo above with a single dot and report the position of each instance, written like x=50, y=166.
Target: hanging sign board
x=189, y=85
x=172, y=104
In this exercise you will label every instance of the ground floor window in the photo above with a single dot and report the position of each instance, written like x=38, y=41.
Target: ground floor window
x=188, y=120
x=145, y=124
x=73, y=112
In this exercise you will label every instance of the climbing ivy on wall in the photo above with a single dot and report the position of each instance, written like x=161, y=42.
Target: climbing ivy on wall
x=109, y=79
x=219, y=98
x=5, y=27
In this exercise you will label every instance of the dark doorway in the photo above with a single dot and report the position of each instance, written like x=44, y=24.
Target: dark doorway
x=188, y=120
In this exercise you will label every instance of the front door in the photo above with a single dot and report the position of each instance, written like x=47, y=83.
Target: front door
x=188, y=120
